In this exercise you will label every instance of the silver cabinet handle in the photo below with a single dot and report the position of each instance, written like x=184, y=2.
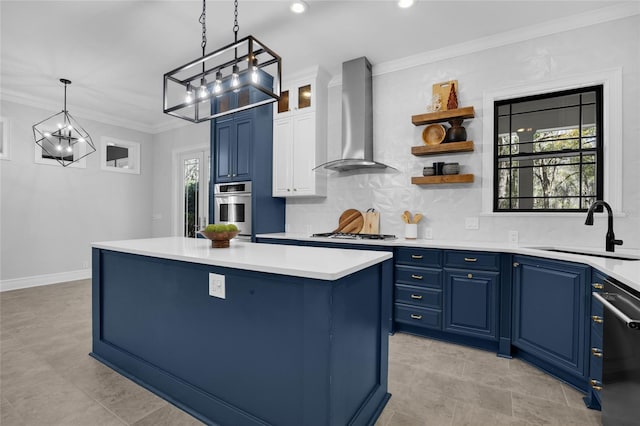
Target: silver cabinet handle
x=596, y=384
x=516, y=264
x=631, y=323
x=596, y=352
x=470, y=259
x=416, y=317
x=416, y=256
x=416, y=277
x=597, y=286
x=416, y=296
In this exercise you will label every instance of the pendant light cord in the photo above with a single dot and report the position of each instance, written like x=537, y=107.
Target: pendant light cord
x=65, y=98
x=203, y=21
x=236, y=27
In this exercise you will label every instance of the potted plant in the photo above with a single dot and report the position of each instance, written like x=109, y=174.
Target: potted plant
x=219, y=234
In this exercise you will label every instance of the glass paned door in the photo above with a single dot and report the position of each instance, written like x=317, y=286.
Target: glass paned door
x=194, y=191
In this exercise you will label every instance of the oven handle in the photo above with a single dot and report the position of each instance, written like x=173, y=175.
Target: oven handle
x=631, y=323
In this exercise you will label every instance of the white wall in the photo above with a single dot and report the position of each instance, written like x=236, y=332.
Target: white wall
x=51, y=214
x=165, y=145
x=401, y=94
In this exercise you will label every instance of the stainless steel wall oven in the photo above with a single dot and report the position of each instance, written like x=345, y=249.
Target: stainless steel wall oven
x=233, y=205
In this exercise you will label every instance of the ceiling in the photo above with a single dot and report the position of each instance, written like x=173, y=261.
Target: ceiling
x=116, y=52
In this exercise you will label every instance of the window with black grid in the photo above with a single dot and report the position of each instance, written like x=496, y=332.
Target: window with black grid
x=548, y=151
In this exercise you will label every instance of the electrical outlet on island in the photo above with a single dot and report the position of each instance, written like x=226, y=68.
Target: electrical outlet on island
x=216, y=286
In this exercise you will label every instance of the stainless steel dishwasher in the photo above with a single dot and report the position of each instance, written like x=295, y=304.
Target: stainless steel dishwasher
x=621, y=355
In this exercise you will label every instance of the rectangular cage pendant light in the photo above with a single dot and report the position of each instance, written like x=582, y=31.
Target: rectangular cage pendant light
x=239, y=76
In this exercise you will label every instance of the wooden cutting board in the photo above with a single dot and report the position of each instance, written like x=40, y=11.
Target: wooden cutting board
x=351, y=221
x=371, y=222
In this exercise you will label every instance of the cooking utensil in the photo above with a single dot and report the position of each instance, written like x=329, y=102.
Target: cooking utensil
x=405, y=217
x=351, y=221
x=417, y=218
x=407, y=213
x=371, y=222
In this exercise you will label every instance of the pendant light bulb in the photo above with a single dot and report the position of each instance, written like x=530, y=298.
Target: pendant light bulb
x=47, y=134
x=59, y=147
x=255, y=77
x=69, y=149
x=217, y=87
x=203, y=92
x=189, y=96
x=235, y=78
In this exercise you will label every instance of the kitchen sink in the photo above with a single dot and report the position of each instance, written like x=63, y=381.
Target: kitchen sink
x=611, y=255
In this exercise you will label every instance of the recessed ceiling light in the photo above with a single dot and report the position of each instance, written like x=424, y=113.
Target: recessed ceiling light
x=298, y=6
x=405, y=3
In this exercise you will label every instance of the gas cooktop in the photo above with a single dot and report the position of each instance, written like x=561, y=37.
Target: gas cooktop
x=347, y=236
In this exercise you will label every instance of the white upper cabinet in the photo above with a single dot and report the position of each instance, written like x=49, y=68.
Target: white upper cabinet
x=300, y=136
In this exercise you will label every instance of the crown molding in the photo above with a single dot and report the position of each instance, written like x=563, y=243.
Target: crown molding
x=555, y=26
x=35, y=102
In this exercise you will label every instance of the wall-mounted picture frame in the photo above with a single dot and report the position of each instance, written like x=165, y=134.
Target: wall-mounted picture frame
x=5, y=152
x=119, y=156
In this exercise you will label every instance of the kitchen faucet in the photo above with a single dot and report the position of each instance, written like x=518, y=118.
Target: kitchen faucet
x=610, y=240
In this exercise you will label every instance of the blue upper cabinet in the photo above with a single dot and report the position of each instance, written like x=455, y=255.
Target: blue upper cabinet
x=232, y=147
x=550, y=310
x=242, y=149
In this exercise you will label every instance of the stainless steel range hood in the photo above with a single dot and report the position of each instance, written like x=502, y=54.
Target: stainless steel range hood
x=357, y=119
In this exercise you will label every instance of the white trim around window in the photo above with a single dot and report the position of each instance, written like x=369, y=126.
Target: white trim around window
x=80, y=150
x=132, y=160
x=611, y=79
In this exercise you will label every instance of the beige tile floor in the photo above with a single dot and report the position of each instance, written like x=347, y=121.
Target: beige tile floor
x=47, y=378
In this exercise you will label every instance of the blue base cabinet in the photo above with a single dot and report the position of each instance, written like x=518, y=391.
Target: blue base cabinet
x=470, y=303
x=279, y=350
x=450, y=295
x=550, y=309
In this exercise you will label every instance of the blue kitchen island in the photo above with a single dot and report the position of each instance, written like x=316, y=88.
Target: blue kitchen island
x=300, y=337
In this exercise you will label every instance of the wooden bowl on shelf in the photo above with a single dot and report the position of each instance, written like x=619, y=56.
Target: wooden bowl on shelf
x=433, y=134
x=219, y=239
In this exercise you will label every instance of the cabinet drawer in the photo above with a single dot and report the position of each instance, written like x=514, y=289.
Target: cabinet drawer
x=426, y=297
x=419, y=257
x=419, y=276
x=472, y=260
x=421, y=317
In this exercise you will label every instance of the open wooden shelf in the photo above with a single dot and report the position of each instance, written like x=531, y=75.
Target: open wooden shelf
x=442, y=148
x=440, y=116
x=440, y=179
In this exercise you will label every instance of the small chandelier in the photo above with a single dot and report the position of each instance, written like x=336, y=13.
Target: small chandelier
x=61, y=137
x=239, y=76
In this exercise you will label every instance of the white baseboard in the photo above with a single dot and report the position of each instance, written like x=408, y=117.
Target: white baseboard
x=38, y=280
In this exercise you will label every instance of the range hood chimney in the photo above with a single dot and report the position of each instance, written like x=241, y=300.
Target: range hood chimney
x=357, y=119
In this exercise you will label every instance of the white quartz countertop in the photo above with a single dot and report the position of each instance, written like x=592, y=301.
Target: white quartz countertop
x=306, y=262
x=626, y=271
